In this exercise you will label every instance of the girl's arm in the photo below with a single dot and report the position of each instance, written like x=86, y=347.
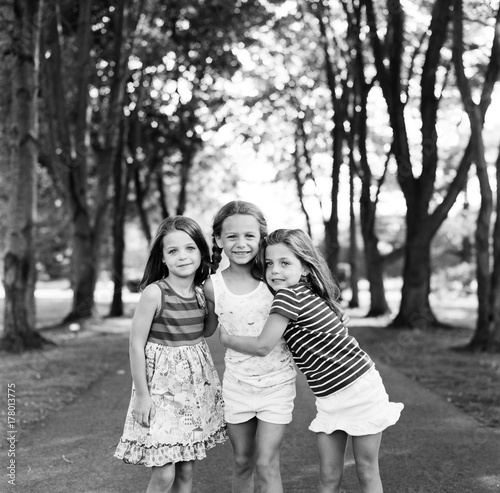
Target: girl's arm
x=141, y=325
x=212, y=319
x=261, y=345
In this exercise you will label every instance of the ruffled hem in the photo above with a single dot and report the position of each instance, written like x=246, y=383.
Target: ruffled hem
x=132, y=452
x=389, y=417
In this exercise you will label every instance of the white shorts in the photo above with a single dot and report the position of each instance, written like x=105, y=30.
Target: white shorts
x=362, y=408
x=269, y=404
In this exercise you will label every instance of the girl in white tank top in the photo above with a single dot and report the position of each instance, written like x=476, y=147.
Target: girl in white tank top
x=246, y=314
x=258, y=392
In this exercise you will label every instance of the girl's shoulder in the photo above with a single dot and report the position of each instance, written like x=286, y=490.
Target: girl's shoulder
x=151, y=295
x=208, y=289
x=152, y=289
x=299, y=293
x=156, y=288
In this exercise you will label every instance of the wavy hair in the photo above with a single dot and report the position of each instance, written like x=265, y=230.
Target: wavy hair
x=319, y=277
x=155, y=268
x=228, y=210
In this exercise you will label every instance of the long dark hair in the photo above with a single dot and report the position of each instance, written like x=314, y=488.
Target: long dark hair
x=228, y=210
x=155, y=268
x=319, y=278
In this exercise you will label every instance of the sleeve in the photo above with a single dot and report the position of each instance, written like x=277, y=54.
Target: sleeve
x=286, y=303
x=200, y=298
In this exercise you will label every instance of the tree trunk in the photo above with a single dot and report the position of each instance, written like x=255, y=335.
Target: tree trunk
x=71, y=137
x=481, y=337
x=186, y=165
x=162, y=196
x=74, y=139
x=117, y=273
x=83, y=260
x=373, y=260
x=494, y=326
x=421, y=227
x=121, y=187
x=134, y=143
x=111, y=162
x=300, y=141
x=415, y=311
x=23, y=133
x=374, y=264
x=7, y=58
x=353, y=242
x=374, y=274
x=332, y=247
x=139, y=202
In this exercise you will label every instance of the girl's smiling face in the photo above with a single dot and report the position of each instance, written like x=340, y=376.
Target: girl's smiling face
x=283, y=268
x=239, y=238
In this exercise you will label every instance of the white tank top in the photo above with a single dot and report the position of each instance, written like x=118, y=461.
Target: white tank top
x=245, y=315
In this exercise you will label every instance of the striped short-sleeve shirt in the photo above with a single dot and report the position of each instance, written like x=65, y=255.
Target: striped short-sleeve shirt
x=179, y=321
x=323, y=350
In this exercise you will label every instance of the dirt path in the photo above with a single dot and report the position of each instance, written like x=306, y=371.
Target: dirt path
x=434, y=448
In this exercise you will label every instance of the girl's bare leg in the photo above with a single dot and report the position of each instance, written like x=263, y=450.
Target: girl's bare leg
x=269, y=439
x=331, y=450
x=365, y=450
x=183, y=482
x=243, y=436
x=162, y=479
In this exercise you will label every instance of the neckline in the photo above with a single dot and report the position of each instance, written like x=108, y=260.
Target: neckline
x=259, y=286
x=177, y=294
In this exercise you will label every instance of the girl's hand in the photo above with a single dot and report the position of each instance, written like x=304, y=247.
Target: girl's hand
x=143, y=410
x=345, y=318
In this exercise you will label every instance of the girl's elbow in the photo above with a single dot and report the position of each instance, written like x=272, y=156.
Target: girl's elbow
x=136, y=347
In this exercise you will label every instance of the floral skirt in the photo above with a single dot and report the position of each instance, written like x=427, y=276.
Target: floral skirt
x=188, y=415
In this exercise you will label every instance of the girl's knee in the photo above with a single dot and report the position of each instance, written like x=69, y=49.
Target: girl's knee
x=162, y=478
x=367, y=471
x=184, y=471
x=268, y=468
x=243, y=463
x=330, y=478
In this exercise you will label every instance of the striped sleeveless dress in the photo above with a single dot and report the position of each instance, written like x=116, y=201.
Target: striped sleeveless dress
x=183, y=384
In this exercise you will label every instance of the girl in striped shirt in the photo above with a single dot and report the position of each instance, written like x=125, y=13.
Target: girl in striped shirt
x=176, y=411
x=350, y=395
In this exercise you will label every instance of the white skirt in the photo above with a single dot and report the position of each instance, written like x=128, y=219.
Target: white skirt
x=361, y=409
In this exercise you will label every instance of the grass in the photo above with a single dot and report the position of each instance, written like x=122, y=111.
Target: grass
x=47, y=380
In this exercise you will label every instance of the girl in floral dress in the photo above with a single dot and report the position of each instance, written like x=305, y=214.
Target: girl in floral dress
x=176, y=409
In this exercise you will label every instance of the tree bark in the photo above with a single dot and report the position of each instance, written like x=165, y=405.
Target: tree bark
x=332, y=246
x=416, y=311
x=368, y=207
x=421, y=225
x=22, y=148
x=74, y=140
x=353, y=243
x=494, y=343
x=122, y=179
x=186, y=165
x=139, y=202
x=83, y=260
x=482, y=335
x=298, y=154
